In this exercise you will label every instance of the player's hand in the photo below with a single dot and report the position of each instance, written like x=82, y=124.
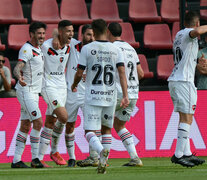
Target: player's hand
x=2, y=72
x=21, y=81
x=124, y=102
x=202, y=60
x=56, y=43
x=74, y=88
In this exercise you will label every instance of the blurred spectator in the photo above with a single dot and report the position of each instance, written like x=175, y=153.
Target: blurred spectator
x=201, y=76
x=5, y=79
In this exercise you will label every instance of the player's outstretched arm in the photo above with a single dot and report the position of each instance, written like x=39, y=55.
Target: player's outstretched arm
x=198, y=31
x=77, y=79
x=123, y=82
x=18, y=74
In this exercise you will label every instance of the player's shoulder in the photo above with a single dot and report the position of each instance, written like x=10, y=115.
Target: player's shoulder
x=47, y=43
x=26, y=48
x=74, y=42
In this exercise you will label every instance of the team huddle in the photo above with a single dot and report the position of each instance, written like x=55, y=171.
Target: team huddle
x=96, y=80
x=101, y=76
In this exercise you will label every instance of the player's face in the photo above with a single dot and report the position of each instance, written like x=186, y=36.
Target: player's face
x=67, y=33
x=39, y=36
x=88, y=36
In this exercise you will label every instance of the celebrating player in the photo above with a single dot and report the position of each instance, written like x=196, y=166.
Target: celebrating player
x=54, y=91
x=100, y=59
x=181, y=85
x=133, y=72
x=29, y=72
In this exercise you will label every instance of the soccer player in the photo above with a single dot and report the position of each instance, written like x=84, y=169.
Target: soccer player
x=100, y=59
x=182, y=88
x=54, y=91
x=133, y=72
x=29, y=72
x=75, y=100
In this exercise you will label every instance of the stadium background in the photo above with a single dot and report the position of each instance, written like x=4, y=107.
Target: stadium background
x=154, y=111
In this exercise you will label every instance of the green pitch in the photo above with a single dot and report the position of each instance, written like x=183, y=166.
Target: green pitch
x=154, y=168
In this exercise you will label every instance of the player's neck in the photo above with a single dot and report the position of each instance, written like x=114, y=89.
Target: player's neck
x=34, y=43
x=102, y=37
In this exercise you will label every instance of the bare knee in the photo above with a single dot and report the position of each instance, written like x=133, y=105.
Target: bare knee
x=25, y=126
x=118, y=125
x=62, y=114
x=37, y=124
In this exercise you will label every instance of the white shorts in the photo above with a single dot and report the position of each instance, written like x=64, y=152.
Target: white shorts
x=73, y=103
x=125, y=114
x=29, y=105
x=54, y=98
x=95, y=116
x=184, y=96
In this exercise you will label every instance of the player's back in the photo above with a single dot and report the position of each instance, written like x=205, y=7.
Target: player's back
x=101, y=59
x=185, y=51
x=130, y=60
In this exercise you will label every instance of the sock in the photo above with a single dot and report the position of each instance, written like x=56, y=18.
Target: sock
x=106, y=141
x=187, y=151
x=94, y=154
x=57, y=131
x=34, y=140
x=69, y=141
x=45, y=138
x=183, y=133
x=94, y=142
x=128, y=142
x=20, y=145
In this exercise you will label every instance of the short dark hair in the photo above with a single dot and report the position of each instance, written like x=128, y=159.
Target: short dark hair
x=190, y=18
x=85, y=27
x=99, y=26
x=115, y=29
x=64, y=23
x=36, y=25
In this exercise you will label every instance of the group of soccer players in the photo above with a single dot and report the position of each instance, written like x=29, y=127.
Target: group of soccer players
x=102, y=78
x=97, y=76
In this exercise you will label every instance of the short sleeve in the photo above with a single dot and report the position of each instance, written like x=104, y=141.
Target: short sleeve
x=24, y=54
x=7, y=74
x=120, y=60
x=82, y=62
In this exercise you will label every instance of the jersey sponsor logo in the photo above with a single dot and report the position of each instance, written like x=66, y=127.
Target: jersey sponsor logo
x=109, y=92
x=52, y=52
x=107, y=99
x=56, y=73
x=107, y=52
x=35, y=53
x=133, y=87
x=61, y=59
x=55, y=102
x=34, y=113
x=93, y=52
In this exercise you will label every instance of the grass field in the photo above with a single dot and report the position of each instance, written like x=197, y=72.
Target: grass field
x=154, y=168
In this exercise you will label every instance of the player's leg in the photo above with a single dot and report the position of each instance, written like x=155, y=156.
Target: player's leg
x=20, y=144
x=121, y=117
x=70, y=144
x=184, y=98
x=45, y=137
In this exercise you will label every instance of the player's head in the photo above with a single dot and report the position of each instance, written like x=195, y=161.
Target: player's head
x=37, y=32
x=114, y=31
x=2, y=61
x=66, y=31
x=99, y=27
x=87, y=34
x=192, y=19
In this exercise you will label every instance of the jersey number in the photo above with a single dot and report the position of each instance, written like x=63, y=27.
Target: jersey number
x=108, y=78
x=130, y=65
x=178, y=55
